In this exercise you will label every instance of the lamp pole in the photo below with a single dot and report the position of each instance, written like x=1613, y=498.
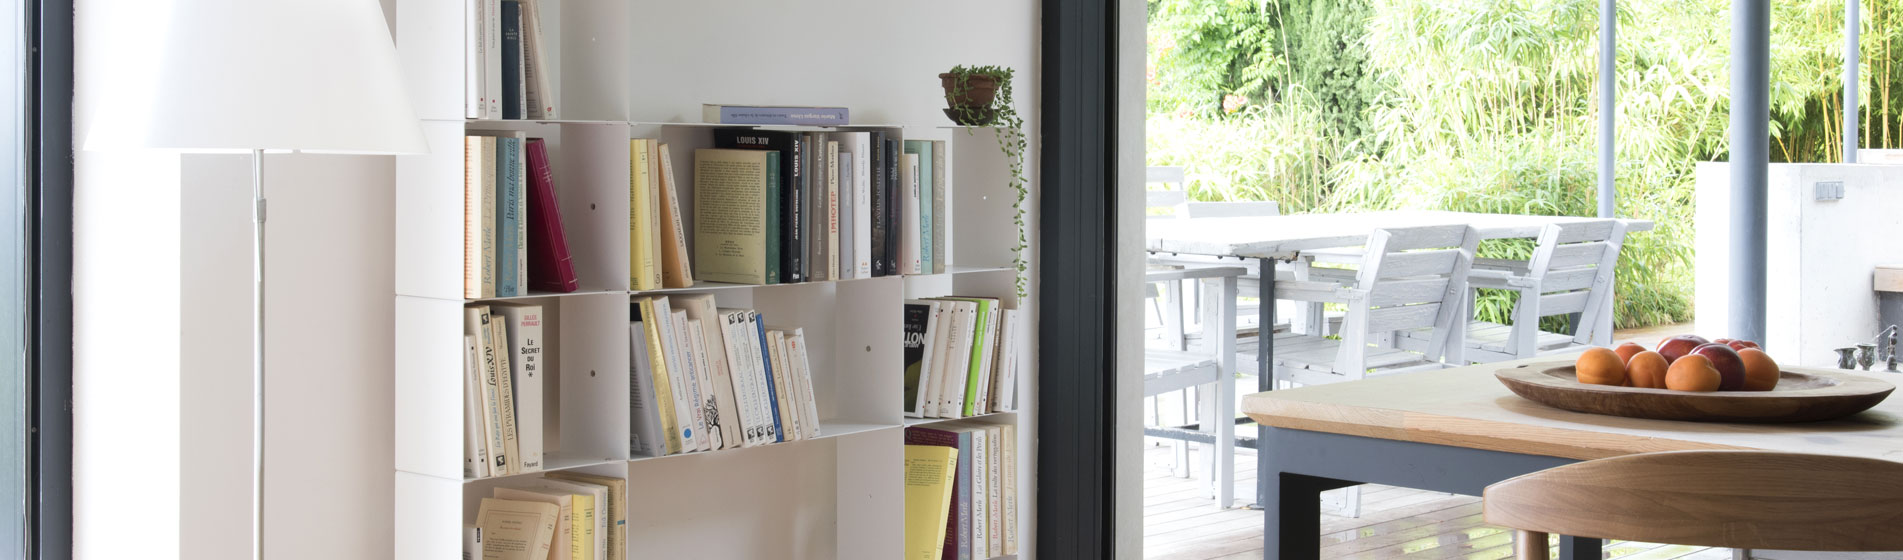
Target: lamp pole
x=257, y=354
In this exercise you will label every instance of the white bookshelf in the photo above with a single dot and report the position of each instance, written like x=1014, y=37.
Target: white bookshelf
x=836, y=496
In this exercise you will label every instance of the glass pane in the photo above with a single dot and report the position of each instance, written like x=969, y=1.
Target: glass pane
x=13, y=285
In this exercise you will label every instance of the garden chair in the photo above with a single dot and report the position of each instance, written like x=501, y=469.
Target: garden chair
x=1731, y=499
x=1570, y=271
x=1211, y=367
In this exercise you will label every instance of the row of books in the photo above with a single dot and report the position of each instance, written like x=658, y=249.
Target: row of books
x=774, y=206
x=502, y=398
x=705, y=378
x=559, y=516
x=512, y=226
x=961, y=495
x=506, y=68
x=962, y=356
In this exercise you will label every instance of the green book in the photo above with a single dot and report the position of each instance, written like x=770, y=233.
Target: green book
x=984, y=330
x=772, y=217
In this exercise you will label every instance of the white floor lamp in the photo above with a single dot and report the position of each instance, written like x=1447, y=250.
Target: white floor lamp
x=317, y=76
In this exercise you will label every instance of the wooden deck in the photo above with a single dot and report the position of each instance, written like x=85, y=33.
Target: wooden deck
x=1181, y=522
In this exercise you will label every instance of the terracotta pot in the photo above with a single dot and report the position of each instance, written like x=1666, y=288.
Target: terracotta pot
x=978, y=95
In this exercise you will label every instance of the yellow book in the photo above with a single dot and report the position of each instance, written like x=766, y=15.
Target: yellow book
x=642, y=227
x=582, y=538
x=733, y=215
x=675, y=271
x=657, y=370
x=929, y=470
x=617, y=507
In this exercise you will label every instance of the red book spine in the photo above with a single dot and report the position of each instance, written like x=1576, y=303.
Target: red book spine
x=550, y=267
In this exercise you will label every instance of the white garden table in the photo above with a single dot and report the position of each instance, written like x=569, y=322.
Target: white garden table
x=1267, y=239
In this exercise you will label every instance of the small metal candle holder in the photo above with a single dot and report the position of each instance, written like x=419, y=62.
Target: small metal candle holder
x=1847, y=357
x=1866, y=355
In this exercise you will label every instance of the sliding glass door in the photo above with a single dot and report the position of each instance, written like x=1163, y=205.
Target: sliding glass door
x=15, y=313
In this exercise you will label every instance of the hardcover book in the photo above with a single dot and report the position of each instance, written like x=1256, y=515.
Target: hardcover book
x=792, y=174
x=551, y=267
x=513, y=101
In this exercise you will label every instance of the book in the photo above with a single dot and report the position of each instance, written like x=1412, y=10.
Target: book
x=980, y=492
x=538, y=93
x=803, y=368
x=566, y=541
x=801, y=228
x=778, y=431
x=675, y=271
x=958, y=511
x=475, y=31
x=645, y=431
x=616, y=506
x=689, y=400
x=652, y=320
x=472, y=542
x=505, y=391
x=513, y=103
x=923, y=178
x=644, y=217
x=967, y=471
x=476, y=321
x=475, y=432
x=732, y=214
x=708, y=408
x=994, y=491
x=773, y=115
x=523, y=324
x=492, y=56
x=917, y=323
x=911, y=258
x=782, y=386
x=929, y=472
x=939, y=209
x=721, y=364
x=479, y=217
x=932, y=385
x=1004, y=389
x=516, y=530
x=511, y=209
x=880, y=203
x=1010, y=461
x=846, y=210
x=786, y=265
x=591, y=515
x=747, y=374
x=817, y=250
x=551, y=267
x=859, y=146
x=831, y=206
x=679, y=380
x=892, y=161
x=958, y=358
x=984, y=334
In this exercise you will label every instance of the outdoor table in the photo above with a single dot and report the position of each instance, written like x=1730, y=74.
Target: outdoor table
x=1459, y=430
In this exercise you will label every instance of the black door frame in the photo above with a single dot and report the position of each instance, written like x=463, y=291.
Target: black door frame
x=1077, y=271
x=49, y=121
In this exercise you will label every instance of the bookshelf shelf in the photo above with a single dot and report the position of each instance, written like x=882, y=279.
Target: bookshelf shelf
x=636, y=69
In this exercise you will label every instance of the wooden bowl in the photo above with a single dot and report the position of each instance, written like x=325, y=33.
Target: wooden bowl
x=1805, y=395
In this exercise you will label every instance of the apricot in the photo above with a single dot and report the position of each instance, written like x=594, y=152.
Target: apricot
x=1647, y=369
x=1692, y=372
x=1627, y=350
x=1600, y=366
x=1760, y=371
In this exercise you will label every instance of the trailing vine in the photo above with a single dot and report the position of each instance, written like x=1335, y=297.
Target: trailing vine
x=1002, y=115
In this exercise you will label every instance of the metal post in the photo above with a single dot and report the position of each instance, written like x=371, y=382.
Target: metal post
x=1852, y=22
x=1608, y=106
x=1750, y=154
x=257, y=354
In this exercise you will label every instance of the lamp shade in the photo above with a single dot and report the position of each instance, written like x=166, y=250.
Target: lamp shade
x=307, y=75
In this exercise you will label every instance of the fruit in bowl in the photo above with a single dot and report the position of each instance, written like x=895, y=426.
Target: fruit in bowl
x=1600, y=366
x=1724, y=364
x=1677, y=347
x=1693, y=373
x=1726, y=361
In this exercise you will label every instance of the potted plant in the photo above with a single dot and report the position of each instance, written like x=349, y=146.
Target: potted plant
x=980, y=96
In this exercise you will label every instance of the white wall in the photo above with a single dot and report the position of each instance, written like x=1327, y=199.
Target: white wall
x=1820, y=255
x=1134, y=18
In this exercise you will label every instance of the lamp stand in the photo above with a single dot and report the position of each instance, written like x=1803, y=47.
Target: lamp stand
x=257, y=354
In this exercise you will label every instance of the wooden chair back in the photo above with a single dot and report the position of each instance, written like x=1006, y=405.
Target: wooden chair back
x=1572, y=267
x=1731, y=499
x=1411, y=278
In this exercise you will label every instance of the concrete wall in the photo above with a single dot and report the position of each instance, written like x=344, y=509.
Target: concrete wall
x=1821, y=254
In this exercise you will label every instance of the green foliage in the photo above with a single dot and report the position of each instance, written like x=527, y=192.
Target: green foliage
x=1491, y=106
x=1002, y=114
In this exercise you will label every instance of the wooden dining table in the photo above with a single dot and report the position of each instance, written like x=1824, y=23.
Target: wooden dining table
x=1458, y=430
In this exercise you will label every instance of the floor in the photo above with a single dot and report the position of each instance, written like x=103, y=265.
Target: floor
x=1181, y=521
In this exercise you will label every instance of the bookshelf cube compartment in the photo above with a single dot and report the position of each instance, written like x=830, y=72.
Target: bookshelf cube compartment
x=585, y=49
x=854, y=343
x=983, y=202
x=589, y=422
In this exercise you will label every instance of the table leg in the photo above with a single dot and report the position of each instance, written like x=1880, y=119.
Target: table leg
x=1265, y=375
x=1291, y=524
x=1577, y=548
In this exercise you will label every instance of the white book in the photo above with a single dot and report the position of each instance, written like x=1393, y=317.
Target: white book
x=516, y=529
x=676, y=375
x=476, y=323
x=747, y=338
x=1009, y=458
x=783, y=386
x=742, y=377
x=958, y=362
x=644, y=434
x=704, y=375
x=1004, y=385
x=846, y=204
x=560, y=545
x=505, y=391
x=763, y=355
x=492, y=56
x=472, y=542
x=527, y=375
x=809, y=406
x=476, y=440
x=994, y=485
x=910, y=261
x=601, y=515
x=537, y=90
x=980, y=498
x=832, y=210
x=862, y=209
x=939, y=357
x=939, y=210
x=700, y=307
x=475, y=51
x=479, y=212
x=690, y=374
